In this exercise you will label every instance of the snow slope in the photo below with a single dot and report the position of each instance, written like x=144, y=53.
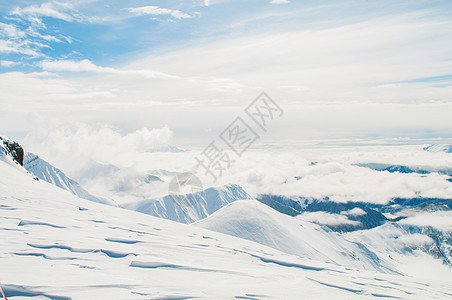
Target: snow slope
x=416, y=251
x=257, y=222
x=201, y=204
x=56, y=245
x=45, y=171
x=439, y=148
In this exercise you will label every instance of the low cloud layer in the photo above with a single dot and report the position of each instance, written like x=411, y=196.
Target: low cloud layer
x=312, y=171
x=71, y=147
x=414, y=240
x=324, y=218
x=441, y=220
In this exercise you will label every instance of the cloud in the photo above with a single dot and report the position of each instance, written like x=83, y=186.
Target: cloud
x=14, y=40
x=47, y=9
x=280, y=1
x=20, y=47
x=86, y=65
x=71, y=146
x=8, y=64
x=11, y=31
x=261, y=170
x=324, y=218
x=354, y=212
x=40, y=90
x=74, y=66
x=56, y=10
x=332, y=64
x=413, y=241
x=155, y=10
x=322, y=75
x=441, y=220
x=30, y=41
x=291, y=173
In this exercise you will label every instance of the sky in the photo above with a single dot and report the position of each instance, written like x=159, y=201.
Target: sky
x=178, y=72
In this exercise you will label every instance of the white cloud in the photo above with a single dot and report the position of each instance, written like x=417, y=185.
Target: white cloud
x=20, y=47
x=340, y=64
x=155, y=10
x=441, y=220
x=39, y=91
x=87, y=66
x=322, y=77
x=11, y=31
x=354, y=212
x=414, y=240
x=262, y=170
x=30, y=41
x=324, y=218
x=57, y=10
x=48, y=9
x=290, y=173
x=8, y=64
x=280, y=1
x=73, y=66
x=71, y=146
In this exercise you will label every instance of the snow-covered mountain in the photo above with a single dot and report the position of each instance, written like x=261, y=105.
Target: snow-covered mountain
x=393, y=168
x=56, y=245
x=340, y=217
x=199, y=204
x=45, y=171
x=439, y=148
x=405, y=169
x=423, y=251
x=254, y=221
x=351, y=216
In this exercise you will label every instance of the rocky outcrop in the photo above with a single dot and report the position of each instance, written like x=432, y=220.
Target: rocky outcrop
x=14, y=149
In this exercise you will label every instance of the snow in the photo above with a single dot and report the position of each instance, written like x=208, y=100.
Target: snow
x=194, y=207
x=440, y=220
x=252, y=220
x=439, y=148
x=45, y=171
x=56, y=245
x=405, y=250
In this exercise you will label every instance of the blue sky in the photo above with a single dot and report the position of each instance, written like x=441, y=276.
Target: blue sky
x=109, y=33
x=193, y=65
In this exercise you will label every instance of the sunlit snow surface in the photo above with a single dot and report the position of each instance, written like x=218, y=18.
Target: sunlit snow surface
x=254, y=221
x=55, y=245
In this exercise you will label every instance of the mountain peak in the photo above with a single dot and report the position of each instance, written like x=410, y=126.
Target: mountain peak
x=192, y=207
x=13, y=149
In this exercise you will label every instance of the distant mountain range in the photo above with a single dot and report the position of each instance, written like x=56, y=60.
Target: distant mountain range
x=404, y=169
x=195, y=207
x=295, y=225
x=360, y=215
